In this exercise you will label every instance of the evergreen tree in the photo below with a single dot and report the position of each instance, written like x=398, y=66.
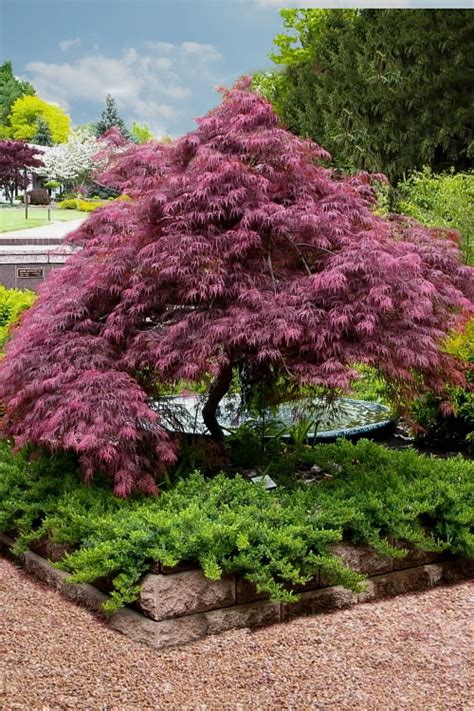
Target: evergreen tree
x=42, y=136
x=382, y=90
x=11, y=89
x=110, y=118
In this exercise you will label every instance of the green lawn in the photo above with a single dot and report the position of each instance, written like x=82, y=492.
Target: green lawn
x=14, y=218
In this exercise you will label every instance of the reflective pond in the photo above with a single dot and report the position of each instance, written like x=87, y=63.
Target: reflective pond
x=345, y=417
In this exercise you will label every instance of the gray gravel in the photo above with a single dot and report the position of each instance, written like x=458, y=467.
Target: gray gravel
x=411, y=652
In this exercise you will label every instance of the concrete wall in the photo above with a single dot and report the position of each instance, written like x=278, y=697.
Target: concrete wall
x=26, y=266
x=12, y=275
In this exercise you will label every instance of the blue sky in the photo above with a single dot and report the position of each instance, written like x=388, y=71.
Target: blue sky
x=161, y=59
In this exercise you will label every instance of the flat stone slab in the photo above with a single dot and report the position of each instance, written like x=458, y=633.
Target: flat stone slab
x=181, y=630
x=362, y=559
x=164, y=596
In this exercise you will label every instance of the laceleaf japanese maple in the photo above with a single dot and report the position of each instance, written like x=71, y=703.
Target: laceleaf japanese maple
x=238, y=250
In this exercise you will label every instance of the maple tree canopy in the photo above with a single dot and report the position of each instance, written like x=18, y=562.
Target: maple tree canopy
x=238, y=248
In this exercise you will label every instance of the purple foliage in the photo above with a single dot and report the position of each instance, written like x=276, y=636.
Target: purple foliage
x=238, y=249
x=15, y=158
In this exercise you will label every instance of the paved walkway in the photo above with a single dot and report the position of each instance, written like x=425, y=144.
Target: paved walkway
x=57, y=229
x=412, y=652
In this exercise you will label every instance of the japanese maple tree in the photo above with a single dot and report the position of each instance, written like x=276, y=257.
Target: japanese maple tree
x=16, y=161
x=238, y=250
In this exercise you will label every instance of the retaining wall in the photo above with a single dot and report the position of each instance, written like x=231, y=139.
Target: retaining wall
x=180, y=605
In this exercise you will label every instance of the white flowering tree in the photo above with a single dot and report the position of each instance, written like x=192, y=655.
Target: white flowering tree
x=71, y=163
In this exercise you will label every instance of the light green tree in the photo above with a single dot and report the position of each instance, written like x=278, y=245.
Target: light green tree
x=27, y=110
x=141, y=133
x=441, y=200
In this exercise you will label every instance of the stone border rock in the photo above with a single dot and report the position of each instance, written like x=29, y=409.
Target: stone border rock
x=182, y=605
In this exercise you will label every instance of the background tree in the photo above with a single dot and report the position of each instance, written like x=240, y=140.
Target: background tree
x=27, y=110
x=16, y=160
x=141, y=133
x=238, y=253
x=42, y=136
x=382, y=90
x=110, y=118
x=11, y=89
x=77, y=162
x=443, y=200
x=73, y=162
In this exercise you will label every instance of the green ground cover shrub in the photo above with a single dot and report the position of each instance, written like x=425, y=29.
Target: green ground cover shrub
x=276, y=539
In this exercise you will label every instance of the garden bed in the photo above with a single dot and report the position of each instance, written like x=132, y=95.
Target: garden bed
x=177, y=606
x=344, y=523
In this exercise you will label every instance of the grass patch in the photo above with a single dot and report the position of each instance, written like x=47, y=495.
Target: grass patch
x=14, y=218
x=274, y=539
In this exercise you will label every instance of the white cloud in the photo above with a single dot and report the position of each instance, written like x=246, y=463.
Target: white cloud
x=202, y=52
x=69, y=43
x=160, y=46
x=198, y=50
x=149, y=86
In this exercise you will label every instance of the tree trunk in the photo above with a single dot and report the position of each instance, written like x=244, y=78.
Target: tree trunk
x=217, y=391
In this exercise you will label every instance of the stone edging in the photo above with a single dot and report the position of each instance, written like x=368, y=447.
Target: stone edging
x=180, y=607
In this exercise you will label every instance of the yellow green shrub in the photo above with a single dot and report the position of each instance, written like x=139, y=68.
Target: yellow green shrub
x=80, y=204
x=12, y=304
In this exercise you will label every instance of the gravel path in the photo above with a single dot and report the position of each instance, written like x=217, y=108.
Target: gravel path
x=412, y=652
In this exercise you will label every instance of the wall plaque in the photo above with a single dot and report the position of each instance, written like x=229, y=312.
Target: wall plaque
x=29, y=272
